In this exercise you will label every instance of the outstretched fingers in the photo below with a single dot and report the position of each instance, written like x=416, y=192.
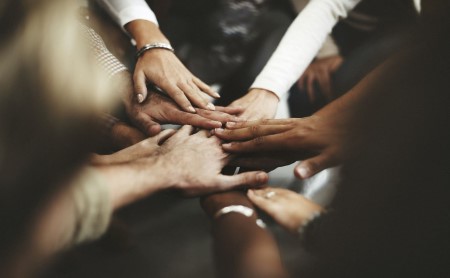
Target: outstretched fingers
x=261, y=143
x=244, y=124
x=248, y=133
x=246, y=180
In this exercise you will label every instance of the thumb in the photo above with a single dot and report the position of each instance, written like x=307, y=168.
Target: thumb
x=312, y=166
x=140, y=86
x=247, y=179
x=147, y=125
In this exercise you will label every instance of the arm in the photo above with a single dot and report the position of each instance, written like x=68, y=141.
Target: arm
x=242, y=248
x=295, y=52
x=328, y=138
x=301, y=43
x=182, y=161
x=124, y=12
x=158, y=66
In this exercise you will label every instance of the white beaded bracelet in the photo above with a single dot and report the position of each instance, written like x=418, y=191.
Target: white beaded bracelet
x=246, y=211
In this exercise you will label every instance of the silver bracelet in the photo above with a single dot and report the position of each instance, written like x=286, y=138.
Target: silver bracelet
x=150, y=46
x=246, y=211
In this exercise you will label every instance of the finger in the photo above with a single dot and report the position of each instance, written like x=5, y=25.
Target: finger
x=310, y=88
x=230, y=110
x=267, y=205
x=247, y=179
x=195, y=96
x=140, y=86
x=249, y=132
x=146, y=124
x=205, y=88
x=181, y=117
x=186, y=130
x=325, y=85
x=312, y=166
x=164, y=135
x=244, y=124
x=262, y=143
x=301, y=82
x=217, y=116
x=178, y=96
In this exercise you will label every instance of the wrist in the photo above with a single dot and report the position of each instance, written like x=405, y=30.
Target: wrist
x=213, y=203
x=145, y=32
x=258, y=92
x=130, y=182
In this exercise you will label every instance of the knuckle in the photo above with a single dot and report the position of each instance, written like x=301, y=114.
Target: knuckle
x=258, y=140
x=254, y=130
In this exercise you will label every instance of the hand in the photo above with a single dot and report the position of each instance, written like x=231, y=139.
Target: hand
x=195, y=161
x=286, y=207
x=320, y=72
x=187, y=162
x=321, y=141
x=145, y=148
x=158, y=109
x=258, y=104
x=165, y=70
x=162, y=68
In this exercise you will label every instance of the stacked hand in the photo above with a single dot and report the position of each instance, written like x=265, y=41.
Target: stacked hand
x=165, y=70
x=182, y=160
x=287, y=208
x=159, y=109
x=257, y=104
x=320, y=72
x=268, y=143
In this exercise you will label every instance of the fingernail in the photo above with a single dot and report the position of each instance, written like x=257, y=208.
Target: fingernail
x=227, y=145
x=191, y=109
x=230, y=124
x=219, y=130
x=303, y=172
x=216, y=95
x=218, y=124
x=211, y=106
x=261, y=177
x=212, y=132
x=140, y=98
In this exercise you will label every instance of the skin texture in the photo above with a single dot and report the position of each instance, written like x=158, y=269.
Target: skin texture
x=159, y=109
x=162, y=68
x=242, y=248
x=317, y=140
x=328, y=138
x=287, y=208
x=187, y=162
x=257, y=104
x=320, y=72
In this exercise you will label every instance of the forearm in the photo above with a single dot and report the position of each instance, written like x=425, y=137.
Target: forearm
x=242, y=248
x=301, y=43
x=129, y=182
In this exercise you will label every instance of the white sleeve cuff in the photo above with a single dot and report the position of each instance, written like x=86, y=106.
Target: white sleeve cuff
x=134, y=13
